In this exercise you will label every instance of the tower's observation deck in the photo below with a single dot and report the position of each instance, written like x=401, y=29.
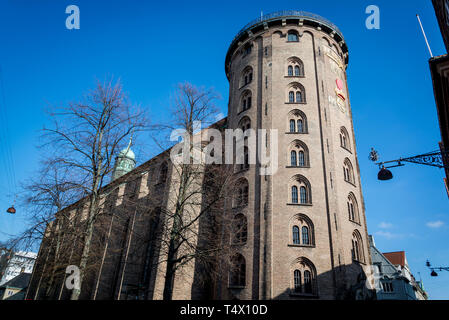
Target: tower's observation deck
x=286, y=17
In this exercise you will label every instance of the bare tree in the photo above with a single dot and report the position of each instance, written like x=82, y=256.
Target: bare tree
x=195, y=213
x=85, y=138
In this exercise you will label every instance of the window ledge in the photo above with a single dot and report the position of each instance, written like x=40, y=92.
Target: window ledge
x=289, y=77
x=300, y=204
x=245, y=85
x=240, y=207
x=357, y=223
x=351, y=183
x=243, y=111
x=304, y=295
x=346, y=149
x=303, y=102
x=298, y=167
x=237, y=287
x=241, y=171
x=358, y=262
x=301, y=245
x=305, y=132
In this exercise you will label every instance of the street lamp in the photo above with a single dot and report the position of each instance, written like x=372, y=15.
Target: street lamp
x=433, y=273
x=11, y=210
x=439, y=159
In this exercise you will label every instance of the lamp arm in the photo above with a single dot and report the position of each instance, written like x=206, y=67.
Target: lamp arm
x=439, y=159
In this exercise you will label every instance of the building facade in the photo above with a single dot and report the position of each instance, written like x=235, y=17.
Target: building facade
x=15, y=263
x=305, y=228
x=307, y=222
x=439, y=68
x=393, y=278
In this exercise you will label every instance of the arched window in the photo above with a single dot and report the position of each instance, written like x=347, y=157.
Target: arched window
x=353, y=210
x=295, y=67
x=297, y=122
x=246, y=101
x=238, y=271
x=299, y=154
x=301, y=184
x=296, y=239
x=302, y=231
x=293, y=161
x=240, y=229
x=357, y=247
x=304, y=277
x=292, y=36
x=294, y=194
x=348, y=171
x=297, y=281
x=305, y=235
x=247, y=76
x=344, y=139
x=245, y=124
x=296, y=93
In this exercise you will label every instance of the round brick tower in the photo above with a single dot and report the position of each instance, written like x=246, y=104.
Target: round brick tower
x=306, y=234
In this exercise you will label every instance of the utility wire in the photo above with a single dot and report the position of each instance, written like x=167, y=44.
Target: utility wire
x=5, y=146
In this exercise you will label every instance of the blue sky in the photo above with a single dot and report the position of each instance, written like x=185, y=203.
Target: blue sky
x=153, y=46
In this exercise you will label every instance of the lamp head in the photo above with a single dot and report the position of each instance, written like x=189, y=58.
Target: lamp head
x=433, y=274
x=11, y=210
x=384, y=174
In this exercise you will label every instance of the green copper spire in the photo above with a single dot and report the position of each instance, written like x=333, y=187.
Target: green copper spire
x=125, y=161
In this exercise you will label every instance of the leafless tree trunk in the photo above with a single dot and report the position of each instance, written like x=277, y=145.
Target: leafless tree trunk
x=197, y=193
x=85, y=139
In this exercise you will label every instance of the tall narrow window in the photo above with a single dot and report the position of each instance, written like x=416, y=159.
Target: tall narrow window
x=240, y=229
x=297, y=280
x=290, y=71
x=294, y=194
x=307, y=282
x=303, y=192
x=297, y=71
x=291, y=97
x=296, y=235
x=300, y=126
x=238, y=271
x=163, y=173
x=357, y=247
x=305, y=235
x=298, y=97
x=301, y=159
x=293, y=162
x=292, y=126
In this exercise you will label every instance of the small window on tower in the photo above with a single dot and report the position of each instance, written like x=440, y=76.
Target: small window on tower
x=292, y=36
